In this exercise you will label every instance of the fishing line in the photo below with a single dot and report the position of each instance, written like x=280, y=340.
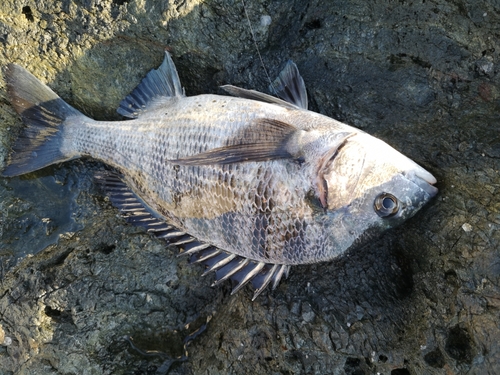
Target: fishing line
x=257, y=47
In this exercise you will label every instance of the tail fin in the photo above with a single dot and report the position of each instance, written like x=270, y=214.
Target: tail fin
x=44, y=114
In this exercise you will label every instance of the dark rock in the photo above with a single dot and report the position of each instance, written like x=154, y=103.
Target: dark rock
x=435, y=358
x=422, y=76
x=458, y=345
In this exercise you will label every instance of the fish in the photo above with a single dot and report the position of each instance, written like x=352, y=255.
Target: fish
x=247, y=184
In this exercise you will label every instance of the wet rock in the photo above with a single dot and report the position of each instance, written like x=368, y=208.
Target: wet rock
x=76, y=280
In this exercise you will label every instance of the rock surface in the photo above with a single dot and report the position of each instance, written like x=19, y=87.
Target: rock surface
x=424, y=299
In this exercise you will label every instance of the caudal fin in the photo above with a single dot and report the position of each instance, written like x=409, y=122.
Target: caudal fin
x=44, y=114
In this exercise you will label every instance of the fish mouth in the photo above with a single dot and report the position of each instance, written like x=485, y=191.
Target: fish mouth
x=425, y=181
x=426, y=176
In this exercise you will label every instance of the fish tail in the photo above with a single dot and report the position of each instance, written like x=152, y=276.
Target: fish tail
x=45, y=115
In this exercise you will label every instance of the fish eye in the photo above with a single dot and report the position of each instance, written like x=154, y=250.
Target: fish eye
x=386, y=205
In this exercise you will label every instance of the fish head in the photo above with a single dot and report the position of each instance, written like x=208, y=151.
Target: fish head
x=373, y=186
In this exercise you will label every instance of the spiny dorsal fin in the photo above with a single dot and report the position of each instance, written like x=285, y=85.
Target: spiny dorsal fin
x=290, y=86
x=267, y=139
x=162, y=83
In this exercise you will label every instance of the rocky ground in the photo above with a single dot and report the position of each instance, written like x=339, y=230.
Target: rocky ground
x=78, y=285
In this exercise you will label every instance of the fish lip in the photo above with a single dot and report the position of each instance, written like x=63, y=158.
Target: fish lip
x=426, y=182
x=426, y=176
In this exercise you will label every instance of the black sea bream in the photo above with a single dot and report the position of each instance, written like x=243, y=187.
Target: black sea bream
x=247, y=184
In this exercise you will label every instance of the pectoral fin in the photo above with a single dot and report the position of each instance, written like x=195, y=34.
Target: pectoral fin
x=264, y=140
x=236, y=154
x=288, y=86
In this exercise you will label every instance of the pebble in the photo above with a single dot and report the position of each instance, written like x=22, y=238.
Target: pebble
x=467, y=227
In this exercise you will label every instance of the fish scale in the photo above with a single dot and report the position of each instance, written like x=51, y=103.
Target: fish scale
x=246, y=185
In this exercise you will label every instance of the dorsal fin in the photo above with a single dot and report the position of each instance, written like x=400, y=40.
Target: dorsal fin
x=159, y=85
x=256, y=95
x=290, y=86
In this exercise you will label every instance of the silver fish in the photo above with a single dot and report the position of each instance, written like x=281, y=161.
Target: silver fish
x=247, y=184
